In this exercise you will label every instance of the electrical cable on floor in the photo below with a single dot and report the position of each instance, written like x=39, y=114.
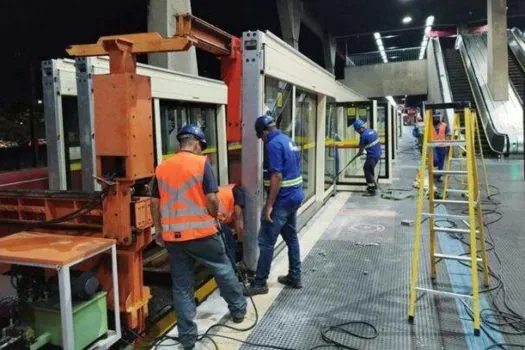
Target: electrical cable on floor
x=330, y=342
x=496, y=318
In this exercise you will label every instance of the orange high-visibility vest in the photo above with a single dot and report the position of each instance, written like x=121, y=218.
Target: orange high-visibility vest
x=440, y=135
x=226, y=203
x=184, y=216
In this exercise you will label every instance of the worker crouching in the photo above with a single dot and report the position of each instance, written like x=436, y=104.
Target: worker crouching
x=184, y=214
x=369, y=142
x=283, y=184
x=231, y=206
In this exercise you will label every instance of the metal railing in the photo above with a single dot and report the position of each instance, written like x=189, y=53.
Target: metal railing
x=394, y=55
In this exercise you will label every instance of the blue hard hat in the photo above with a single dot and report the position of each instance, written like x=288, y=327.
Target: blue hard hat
x=359, y=124
x=196, y=132
x=262, y=123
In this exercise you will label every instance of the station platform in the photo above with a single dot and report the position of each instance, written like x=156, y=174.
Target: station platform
x=356, y=268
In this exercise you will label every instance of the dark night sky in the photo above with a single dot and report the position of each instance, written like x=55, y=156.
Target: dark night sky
x=35, y=30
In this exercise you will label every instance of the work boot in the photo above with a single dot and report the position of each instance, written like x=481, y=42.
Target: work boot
x=238, y=318
x=287, y=281
x=254, y=289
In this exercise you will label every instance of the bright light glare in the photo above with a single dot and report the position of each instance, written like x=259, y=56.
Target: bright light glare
x=377, y=35
x=429, y=21
x=407, y=19
x=380, y=47
x=391, y=100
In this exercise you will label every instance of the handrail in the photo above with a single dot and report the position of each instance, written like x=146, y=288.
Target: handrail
x=444, y=83
x=512, y=41
x=498, y=142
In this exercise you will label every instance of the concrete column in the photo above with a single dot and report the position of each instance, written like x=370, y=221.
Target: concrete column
x=498, y=70
x=329, y=47
x=290, y=12
x=161, y=19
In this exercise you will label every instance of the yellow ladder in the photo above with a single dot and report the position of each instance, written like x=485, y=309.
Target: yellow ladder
x=474, y=218
x=456, y=155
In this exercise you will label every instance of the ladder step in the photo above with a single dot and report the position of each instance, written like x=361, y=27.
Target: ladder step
x=455, y=257
x=450, y=172
x=453, y=190
x=458, y=159
x=452, y=230
x=445, y=143
x=443, y=293
x=446, y=216
x=450, y=201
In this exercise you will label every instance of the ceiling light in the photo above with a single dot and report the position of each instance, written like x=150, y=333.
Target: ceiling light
x=380, y=46
x=377, y=36
x=390, y=36
x=429, y=21
x=392, y=47
x=407, y=19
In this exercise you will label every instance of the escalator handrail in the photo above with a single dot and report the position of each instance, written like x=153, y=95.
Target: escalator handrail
x=493, y=136
x=439, y=56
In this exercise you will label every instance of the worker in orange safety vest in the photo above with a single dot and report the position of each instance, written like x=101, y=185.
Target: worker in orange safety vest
x=231, y=205
x=440, y=132
x=184, y=209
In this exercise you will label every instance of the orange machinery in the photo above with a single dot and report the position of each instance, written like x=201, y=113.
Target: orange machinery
x=125, y=159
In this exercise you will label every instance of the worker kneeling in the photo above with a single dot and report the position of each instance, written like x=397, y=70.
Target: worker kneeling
x=369, y=141
x=283, y=183
x=185, y=221
x=231, y=206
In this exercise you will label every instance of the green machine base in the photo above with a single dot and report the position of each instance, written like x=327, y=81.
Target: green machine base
x=90, y=320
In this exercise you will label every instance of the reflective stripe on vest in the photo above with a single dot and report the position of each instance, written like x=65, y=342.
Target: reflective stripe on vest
x=287, y=183
x=372, y=144
x=184, y=215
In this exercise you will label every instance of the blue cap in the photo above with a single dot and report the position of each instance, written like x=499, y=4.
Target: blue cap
x=262, y=123
x=196, y=132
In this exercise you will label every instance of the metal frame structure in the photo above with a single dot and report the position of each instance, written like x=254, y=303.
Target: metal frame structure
x=66, y=305
x=75, y=78
x=266, y=55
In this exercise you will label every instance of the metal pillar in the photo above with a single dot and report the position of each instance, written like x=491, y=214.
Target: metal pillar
x=498, y=69
x=252, y=151
x=86, y=122
x=54, y=125
x=161, y=19
x=290, y=12
x=329, y=48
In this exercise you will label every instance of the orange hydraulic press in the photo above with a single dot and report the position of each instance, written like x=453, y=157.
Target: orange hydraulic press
x=125, y=158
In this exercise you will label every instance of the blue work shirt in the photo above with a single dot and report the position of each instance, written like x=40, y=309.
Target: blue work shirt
x=281, y=155
x=370, y=142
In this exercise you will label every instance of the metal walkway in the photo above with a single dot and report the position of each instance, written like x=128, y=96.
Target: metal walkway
x=359, y=270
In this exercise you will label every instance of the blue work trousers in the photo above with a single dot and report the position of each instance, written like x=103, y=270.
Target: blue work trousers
x=229, y=240
x=209, y=251
x=439, y=157
x=284, y=223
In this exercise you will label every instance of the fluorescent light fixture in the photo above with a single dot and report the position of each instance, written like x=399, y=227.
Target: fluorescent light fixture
x=407, y=19
x=380, y=46
x=429, y=21
x=391, y=100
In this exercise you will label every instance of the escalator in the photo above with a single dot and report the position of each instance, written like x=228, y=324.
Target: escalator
x=517, y=76
x=460, y=88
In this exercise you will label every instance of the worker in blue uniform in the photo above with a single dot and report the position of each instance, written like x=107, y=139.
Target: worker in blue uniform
x=283, y=184
x=369, y=141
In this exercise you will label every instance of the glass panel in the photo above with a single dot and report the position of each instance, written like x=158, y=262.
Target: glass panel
x=278, y=103
x=174, y=115
x=305, y=136
x=331, y=137
x=72, y=143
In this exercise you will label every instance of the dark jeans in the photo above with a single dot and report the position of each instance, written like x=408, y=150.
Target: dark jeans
x=230, y=241
x=284, y=223
x=369, y=170
x=209, y=251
